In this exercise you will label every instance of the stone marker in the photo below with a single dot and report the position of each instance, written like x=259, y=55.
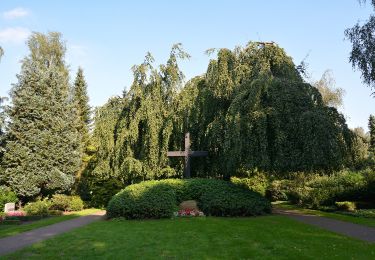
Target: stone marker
x=9, y=207
x=189, y=204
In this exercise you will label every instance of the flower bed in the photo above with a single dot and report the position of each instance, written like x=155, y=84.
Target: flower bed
x=188, y=213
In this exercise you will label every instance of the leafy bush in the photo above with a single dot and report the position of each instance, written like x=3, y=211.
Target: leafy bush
x=37, y=208
x=257, y=183
x=75, y=203
x=6, y=196
x=60, y=202
x=346, y=205
x=278, y=190
x=66, y=203
x=159, y=199
x=317, y=191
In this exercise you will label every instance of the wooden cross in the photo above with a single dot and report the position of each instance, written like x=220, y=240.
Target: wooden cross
x=187, y=154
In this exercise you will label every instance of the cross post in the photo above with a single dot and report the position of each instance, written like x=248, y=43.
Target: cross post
x=187, y=154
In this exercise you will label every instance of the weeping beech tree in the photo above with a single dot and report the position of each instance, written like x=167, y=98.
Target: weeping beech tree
x=251, y=110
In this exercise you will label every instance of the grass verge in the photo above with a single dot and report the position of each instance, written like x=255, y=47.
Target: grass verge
x=10, y=230
x=266, y=237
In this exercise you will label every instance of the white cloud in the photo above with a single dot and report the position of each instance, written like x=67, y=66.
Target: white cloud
x=14, y=35
x=16, y=13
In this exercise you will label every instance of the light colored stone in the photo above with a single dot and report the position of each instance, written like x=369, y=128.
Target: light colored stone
x=189, y=204
x=9, y=207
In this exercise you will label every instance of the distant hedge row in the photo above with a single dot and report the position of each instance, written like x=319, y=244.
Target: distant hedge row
x=159, y=199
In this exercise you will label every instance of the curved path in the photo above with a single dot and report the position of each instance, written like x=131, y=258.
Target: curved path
x=360, y=232
x=13, y=243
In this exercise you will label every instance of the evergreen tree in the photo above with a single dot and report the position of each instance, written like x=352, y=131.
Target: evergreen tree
x=371, y=126
x=81, y=102
x=42, y=152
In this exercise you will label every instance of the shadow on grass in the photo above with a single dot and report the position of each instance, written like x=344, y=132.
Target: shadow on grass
x=11, y=230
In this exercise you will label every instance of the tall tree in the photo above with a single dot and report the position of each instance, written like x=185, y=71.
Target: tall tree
x=331, y=95
x=362, y=55
x=42, y=152
x=2, y=117
x=371, y=126
x=83, y=109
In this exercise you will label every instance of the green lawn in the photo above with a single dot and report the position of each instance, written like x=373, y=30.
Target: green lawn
x=267, y=237
x=354, y=219
x=10, y=230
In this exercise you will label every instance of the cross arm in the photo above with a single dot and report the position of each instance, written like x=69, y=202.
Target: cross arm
x=176, y=153
x=198, y=153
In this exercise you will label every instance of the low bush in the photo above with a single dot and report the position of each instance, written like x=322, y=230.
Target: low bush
x=257, y=183
x=66, y=203
x=159, y=199
x=37, y=208
x=345, y=205
x=316, y=191
x=60, y=202
x=6, y=196
x=278, y=190
x=76, y=203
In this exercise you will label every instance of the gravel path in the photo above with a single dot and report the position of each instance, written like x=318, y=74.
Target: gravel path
x=14, y=243
x=341, y=227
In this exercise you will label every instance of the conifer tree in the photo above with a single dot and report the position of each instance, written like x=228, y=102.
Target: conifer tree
x=371, y=125
x=42, y=151
x=83, y=110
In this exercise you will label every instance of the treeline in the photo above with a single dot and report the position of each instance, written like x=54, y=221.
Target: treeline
x=251, y=110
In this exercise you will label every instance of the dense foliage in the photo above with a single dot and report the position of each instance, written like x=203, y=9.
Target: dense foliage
x=317, y=190
x=362, y=54
x=82, y=107
x=66, y=203
x=159, y=199
x=251, y=110
x=42, y=150
x=6, y=196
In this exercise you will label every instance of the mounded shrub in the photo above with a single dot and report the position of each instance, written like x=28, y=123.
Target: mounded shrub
x=346, y=205
x=6, y=196
x=76, y=203
x=151, y=199
x=66, y=203
x=326, y=190
x=257, y=183
x=60, y=202
x=159, y=199
x=278, y=190
x=37, y=208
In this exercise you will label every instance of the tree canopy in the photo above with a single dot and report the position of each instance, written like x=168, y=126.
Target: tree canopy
x=42, y=150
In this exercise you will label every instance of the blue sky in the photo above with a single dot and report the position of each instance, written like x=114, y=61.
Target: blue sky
x=108, y=37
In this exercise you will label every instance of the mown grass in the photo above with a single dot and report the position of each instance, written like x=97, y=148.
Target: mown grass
x=267, y=237
x=10, y=230
x=348, y=218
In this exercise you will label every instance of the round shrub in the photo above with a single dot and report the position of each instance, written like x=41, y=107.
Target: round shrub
x=37, y=208
x=66, y=203
x=75, y=203
x=60, y=202
x=257, y=183
x=159, y=199
x=151, y=199
x=6, y=196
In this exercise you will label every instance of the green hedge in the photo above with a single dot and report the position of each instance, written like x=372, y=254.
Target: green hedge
x=159, y=199
x=316, y=191
x=6, y=196
x=66, y=203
